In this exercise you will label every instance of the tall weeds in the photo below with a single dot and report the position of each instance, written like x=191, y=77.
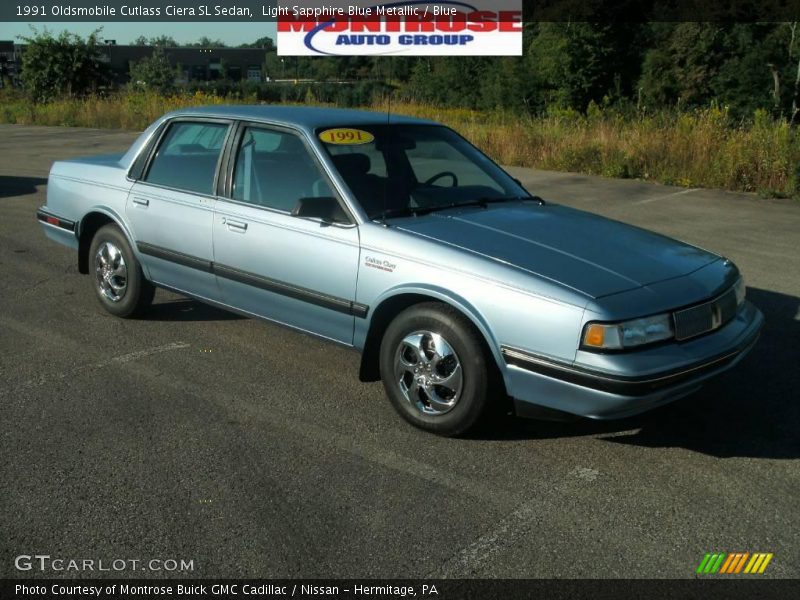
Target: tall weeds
x=699, y=148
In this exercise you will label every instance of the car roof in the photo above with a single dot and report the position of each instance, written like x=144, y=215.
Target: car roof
x=306, y=117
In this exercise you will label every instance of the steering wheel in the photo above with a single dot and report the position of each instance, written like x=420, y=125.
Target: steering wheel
x=438, y=176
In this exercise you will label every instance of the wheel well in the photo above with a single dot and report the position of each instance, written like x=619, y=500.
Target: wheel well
x=89, y=226
x=383, y=315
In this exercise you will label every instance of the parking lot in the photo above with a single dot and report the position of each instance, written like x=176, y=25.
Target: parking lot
x=254, y=451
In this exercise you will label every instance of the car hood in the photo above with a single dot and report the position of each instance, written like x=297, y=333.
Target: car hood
x=585, y=252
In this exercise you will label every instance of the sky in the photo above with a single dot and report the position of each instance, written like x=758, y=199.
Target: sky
x=233, y=34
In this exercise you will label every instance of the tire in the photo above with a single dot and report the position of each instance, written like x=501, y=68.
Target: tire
x=435, y=369
x=118, y=282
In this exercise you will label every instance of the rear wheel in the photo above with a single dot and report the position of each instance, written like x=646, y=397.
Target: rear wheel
x=119, y=283
x=434, y=369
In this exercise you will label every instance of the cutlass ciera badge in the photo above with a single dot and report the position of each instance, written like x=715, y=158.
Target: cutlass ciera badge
x=380, y=264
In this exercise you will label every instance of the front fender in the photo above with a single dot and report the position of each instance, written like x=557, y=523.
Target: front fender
x=433, y=292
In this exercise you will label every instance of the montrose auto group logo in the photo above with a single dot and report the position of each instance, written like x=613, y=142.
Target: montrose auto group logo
x=403, y=28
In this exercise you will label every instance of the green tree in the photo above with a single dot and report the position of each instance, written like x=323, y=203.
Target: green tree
x=793, y=52
x=448, y=80
x=4, y=78
x=207, y=42
x=509, y=86
x=166, y=41
x=683, y=63
x=267, y=43
x=573, y=64
x=325, y=68
x=67, y=65
x=153, y=72
x=752, y=71
x=658, y=85
x=744, y=66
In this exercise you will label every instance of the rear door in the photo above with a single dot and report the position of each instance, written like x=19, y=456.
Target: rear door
x=171, y=206
x=297, y=271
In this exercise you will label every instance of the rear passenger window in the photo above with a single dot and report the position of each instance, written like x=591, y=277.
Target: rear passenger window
x=274, y=169
x=187, y=157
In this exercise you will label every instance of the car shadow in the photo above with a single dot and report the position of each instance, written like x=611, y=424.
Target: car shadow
x=750, y=411
x=188, y=310
x=19, y=186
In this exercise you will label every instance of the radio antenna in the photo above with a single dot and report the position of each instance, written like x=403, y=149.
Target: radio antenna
x=390, y=90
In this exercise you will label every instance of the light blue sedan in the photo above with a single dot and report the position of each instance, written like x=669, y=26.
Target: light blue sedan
x=397, y=237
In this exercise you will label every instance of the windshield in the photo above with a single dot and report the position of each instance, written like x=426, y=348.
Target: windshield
x=395, y=170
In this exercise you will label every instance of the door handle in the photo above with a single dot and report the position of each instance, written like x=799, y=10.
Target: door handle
x=237, y=226
x=141, y=201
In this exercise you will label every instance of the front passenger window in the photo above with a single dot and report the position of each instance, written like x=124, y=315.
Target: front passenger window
x=187, y=157
x=274, y=169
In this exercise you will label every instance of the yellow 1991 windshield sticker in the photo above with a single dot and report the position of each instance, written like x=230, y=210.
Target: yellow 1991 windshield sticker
x=346, y=137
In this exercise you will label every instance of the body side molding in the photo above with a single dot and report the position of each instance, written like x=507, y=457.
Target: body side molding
x=341, y=305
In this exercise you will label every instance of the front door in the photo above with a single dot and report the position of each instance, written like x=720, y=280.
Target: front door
x=297, y=271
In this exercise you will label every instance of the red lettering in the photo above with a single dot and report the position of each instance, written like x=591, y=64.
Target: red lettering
x=482, y=20
x=455, y=22
x=476, y=21
x=292, y=23
x=510, y=20
x=419, y=24
x=361, y=26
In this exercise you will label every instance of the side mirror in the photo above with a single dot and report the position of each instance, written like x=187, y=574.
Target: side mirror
x=325, y=208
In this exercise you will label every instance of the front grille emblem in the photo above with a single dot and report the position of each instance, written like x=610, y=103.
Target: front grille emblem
x=702, y=318
x=716, y=316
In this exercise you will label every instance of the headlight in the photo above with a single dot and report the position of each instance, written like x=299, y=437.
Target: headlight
x=618, y=336
x=740, y=289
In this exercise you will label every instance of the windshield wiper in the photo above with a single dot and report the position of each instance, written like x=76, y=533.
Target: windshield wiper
x=483, y=202
x=486, y=201
x=408, y=211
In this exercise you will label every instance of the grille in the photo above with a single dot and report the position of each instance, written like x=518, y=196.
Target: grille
x=705, y=317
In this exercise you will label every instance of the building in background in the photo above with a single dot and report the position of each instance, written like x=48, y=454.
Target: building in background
x=8, y=63
x=192, y=63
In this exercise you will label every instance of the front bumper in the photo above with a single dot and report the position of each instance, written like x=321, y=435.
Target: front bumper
x=629, y=383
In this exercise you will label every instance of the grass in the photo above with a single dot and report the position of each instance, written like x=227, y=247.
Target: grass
x=700, y=148
x=134, y=111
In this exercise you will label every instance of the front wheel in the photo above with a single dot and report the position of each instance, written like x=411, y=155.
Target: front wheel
x=119, y=283
x=435, y=369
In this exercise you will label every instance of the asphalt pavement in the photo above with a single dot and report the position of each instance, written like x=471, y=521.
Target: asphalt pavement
x=251, y=450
